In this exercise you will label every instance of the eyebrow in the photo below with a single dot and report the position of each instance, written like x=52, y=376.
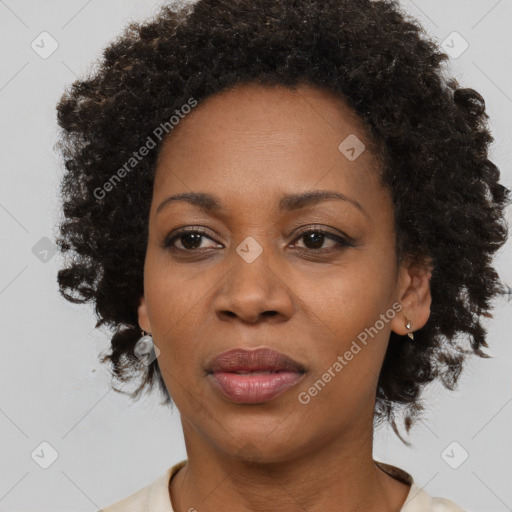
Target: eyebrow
x=289, y=202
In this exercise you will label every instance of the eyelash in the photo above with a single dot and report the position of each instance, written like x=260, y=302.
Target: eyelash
x=341, y=242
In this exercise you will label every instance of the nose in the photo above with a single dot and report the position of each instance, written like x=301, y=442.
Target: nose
x=254, y=291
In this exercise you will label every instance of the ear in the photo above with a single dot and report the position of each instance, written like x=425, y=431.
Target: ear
x=142, y=312
x=414, y=295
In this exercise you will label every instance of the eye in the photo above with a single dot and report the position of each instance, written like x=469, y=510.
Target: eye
x=316, y=237
x=190, y=239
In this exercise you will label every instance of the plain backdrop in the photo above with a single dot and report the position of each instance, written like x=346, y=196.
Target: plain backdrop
x=56, y=407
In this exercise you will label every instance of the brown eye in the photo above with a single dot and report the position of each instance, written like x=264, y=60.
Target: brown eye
x=314, y=239
x=190, y=240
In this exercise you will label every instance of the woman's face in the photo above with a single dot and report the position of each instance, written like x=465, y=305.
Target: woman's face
x=256, y=278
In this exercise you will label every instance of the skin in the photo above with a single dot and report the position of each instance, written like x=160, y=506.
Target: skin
x=249, y=146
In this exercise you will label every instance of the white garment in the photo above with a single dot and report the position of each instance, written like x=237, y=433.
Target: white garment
x=155, y=496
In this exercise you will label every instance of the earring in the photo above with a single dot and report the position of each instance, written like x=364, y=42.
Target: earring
x=408, y=325
x=143, y=349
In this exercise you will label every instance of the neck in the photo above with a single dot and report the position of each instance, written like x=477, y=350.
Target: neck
x=340, y=475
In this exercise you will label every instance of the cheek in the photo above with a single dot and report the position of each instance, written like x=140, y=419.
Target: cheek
x=349, y=349
x=353, y=332
x=354, y=295
x=174, y=305
x=171, y=289
x=347, y=309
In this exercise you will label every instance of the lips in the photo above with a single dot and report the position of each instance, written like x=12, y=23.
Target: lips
x=253, y=376
x=260, y=360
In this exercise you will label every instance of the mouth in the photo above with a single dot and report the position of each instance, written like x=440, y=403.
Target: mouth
x=253, y=387
x=252, y=372
x=244, y=361
x=253, y=376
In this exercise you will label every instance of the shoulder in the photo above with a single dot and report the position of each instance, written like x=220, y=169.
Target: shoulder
x=153, y=497
x=445, y=505
x=419, y=500
x=136, y=502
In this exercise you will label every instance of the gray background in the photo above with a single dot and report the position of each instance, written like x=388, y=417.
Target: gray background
x=53, y=389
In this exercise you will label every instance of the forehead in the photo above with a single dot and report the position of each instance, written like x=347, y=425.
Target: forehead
x=263, y=112
x=255, y=139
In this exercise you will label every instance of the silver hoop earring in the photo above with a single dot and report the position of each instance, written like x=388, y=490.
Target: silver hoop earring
x=144, y=349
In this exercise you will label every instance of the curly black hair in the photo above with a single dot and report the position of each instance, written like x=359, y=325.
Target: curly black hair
x=431, y=136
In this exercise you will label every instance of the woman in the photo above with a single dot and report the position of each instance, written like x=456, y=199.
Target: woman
x=287, y=215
